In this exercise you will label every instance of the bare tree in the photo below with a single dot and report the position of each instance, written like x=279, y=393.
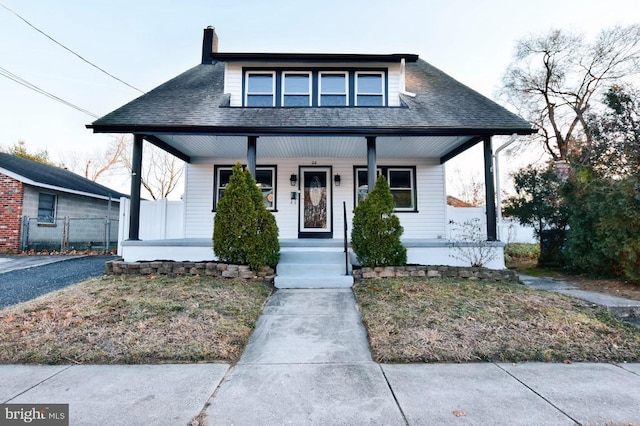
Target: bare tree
x=467, y=185
x=99, y=164
x=161, y=171
x=554, y=80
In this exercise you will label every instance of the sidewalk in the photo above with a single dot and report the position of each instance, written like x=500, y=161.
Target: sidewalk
x=308, y=363
x=625, y=309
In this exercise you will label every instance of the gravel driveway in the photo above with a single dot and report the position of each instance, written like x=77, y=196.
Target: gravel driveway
x=32, y=281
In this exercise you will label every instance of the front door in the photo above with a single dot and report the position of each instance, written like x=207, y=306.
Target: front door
x=315, y=203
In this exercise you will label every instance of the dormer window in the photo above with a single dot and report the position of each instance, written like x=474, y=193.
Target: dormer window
x=333, y=89
x=261, y=89
x=369, y=89
x=296, y=89
x=319, y=87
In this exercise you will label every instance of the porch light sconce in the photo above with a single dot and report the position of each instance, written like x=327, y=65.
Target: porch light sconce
x=294, y=180
x=336, y=180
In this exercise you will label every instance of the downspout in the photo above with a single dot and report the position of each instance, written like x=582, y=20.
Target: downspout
x=403, y=83
x=496, y=161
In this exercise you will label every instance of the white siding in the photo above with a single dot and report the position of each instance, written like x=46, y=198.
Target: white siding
x=198, y=200
x=428, y=223
x=394, y=85
x=233, y=83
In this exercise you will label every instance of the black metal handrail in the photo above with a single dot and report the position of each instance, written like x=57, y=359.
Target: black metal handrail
x=346, y=250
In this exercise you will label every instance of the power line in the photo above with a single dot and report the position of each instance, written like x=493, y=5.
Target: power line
x=11, y=76
x=69, y=50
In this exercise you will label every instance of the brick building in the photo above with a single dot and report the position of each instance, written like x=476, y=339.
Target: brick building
x=39, y=199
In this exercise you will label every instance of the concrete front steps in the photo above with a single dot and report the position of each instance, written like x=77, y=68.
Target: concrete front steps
x=312, y=269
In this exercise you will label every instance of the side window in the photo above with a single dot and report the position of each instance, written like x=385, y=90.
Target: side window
x=402, y=187
x=296, y=89
x=265, y=179
x=46, y=208
x=260, y=89
x=369, y=89
x=401, y=182
x=333, y=89
x=362, y=186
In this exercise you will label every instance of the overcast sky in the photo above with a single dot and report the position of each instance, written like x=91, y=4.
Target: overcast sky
x=147, y=42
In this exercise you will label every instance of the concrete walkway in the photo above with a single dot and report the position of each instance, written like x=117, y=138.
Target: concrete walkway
x=621, y=307
x=308, y=363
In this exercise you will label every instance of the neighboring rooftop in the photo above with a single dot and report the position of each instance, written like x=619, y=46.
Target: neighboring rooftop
x=51, y=177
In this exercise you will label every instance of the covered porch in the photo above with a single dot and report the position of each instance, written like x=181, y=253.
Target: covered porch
x=426, y=236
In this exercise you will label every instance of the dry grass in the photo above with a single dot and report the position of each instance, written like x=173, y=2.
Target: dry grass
x=414, y=320
x=134, y=320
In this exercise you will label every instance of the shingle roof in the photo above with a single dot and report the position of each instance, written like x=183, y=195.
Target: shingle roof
x=194, y=101
x=36, y=173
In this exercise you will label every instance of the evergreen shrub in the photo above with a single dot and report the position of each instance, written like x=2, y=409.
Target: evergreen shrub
x=244, y=231
x=376, y=232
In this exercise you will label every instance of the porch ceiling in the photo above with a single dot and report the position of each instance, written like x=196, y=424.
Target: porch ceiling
x=207, y=146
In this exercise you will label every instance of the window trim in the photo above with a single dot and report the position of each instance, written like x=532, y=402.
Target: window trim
x=274, y=187
x=384, y=170
x=248, y=74
x=345, y=74
x=284, y=94
x=383, y=85
x=54, y=208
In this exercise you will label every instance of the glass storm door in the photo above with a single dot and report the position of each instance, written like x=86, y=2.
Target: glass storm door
x=315, y=202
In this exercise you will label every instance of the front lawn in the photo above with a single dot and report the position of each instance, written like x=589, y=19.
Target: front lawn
x=418, y=320
x=131, y=320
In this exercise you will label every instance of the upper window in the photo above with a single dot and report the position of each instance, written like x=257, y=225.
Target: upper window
x=46, y=208
x=369, y=89
x=265, y=180
x=261, y=89
x=333, y=89
x=323, y=87
x=296, y=89
x=401, y=181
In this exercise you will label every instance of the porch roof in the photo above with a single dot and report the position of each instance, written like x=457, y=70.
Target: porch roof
x=191, y=116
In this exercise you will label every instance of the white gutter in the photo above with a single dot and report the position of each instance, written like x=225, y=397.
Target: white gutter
x=496, y=161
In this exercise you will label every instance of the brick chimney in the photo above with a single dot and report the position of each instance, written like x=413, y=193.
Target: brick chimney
x=209, y=44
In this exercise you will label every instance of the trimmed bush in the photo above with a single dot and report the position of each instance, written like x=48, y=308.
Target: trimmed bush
x=376, y=233
x=244, y=231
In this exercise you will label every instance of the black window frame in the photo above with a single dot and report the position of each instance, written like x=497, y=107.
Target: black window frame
x=53, y=204
x=385, y=170
x=226, y=167
x=350, y=72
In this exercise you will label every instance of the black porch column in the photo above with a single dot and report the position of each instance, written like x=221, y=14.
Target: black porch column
x=252, y=142
x=371, y=163
x=490, y=192
x=136, y=175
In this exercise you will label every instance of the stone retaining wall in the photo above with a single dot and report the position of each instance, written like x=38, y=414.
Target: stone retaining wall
x=118, y=267
x=470, y=273
x=214, y=269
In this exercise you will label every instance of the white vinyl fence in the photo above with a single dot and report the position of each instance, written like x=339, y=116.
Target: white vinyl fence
x=509, y=231
x=159, y=220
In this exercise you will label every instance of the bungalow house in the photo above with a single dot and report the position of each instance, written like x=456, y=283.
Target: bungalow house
x=314, y=130
x=46, y=207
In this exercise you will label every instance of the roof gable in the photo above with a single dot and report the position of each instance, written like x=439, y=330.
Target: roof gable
x=39, y=174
